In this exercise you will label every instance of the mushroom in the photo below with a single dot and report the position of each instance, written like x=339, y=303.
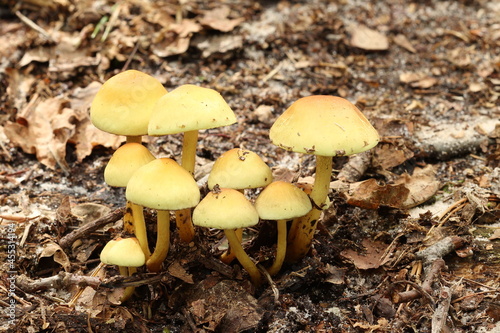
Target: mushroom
x=229, y=209
x=127, y=254
x=188, y=109
x=120, y=168
x=124, y=103
x=325, y=126
x=239, y=169
x=164, y=185
x=281, y=201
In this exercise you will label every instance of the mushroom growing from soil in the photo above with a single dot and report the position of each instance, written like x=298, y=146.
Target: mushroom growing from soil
x=281, y=201
x=239, y=169
x=325, y=126
x=188, y=109
x=228, y=210
x=164, y=185
x=124, y=103
x=127, y=254
x=120, y=168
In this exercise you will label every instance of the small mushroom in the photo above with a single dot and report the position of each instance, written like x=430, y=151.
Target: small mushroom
x=127, y=254
x=120, y=168
x=164, y=185
x=325, y=126
x=239, y=169
x=228, y=209
x=188, y=109
x=281, y=201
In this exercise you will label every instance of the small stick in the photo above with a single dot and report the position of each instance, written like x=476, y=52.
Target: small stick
x=59, y=281
x=426, y=287
x=33, y=25
x=114, y=216
x=441, y=313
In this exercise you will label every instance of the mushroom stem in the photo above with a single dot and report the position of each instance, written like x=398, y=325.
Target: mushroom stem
x=228, y=256
x=128, y=219
x=243, y=257
x=134, y=138
x=162, y=242
x=140, y=228
x=129, y=291
x=280, y=249
x=183, y=219
x=302, y=230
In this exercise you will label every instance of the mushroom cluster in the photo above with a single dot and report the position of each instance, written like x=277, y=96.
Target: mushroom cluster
x=134, y=104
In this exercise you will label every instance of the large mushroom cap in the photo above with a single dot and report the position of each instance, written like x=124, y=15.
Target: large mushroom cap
x=124, y=162
x=323, y=125
x=281, y=200
x=124, y=103
x=190, y=108
x=225, y=209
x=239, y=169
x=123, y=252
x=163, y=184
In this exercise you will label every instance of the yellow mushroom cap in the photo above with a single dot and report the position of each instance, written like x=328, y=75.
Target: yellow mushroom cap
x=225, y=209
x=239, y=169
x=281, y=200
x=124, y=162
x=123, y=252
x=124, y=103
x=163, y=184
x=190, y=108
x=323, y=125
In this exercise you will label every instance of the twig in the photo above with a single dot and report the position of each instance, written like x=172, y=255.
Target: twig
x=425, y=289
x=439, y=249
x=355, y=168
x=131, y=56
x=59, y=281
x=33, y=25
x=94, y=273
x=441, y=313
x=112, y=217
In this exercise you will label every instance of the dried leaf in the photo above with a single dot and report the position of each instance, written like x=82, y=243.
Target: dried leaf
x=371, y=258
x=368, y=39
x=52, y=249
x=217, y=19
x=402, y=41
x=44, y=131
x=370, y=195
x=180, y=272
x=422, y=185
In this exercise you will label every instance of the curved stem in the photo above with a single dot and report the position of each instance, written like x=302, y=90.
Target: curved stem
x=183, y=217
x=243, y=257
x=140, y=228
x=228, y=256
x=302, y=232
x=162, y=242
x=280, y=249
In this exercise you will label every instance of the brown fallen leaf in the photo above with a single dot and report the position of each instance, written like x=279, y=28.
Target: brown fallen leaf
x=369, y=194
x=405, y=192
x=217, y=19
x=176, y=270
x=176, y=38
x=368, y=39
x=54, y=250
x=44, y=129
x=402, y=41
x=371, y=258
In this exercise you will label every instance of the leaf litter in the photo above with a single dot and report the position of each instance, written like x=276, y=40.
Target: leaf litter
x=425, y=74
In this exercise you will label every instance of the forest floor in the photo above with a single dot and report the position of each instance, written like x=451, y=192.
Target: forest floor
x=410, y=242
